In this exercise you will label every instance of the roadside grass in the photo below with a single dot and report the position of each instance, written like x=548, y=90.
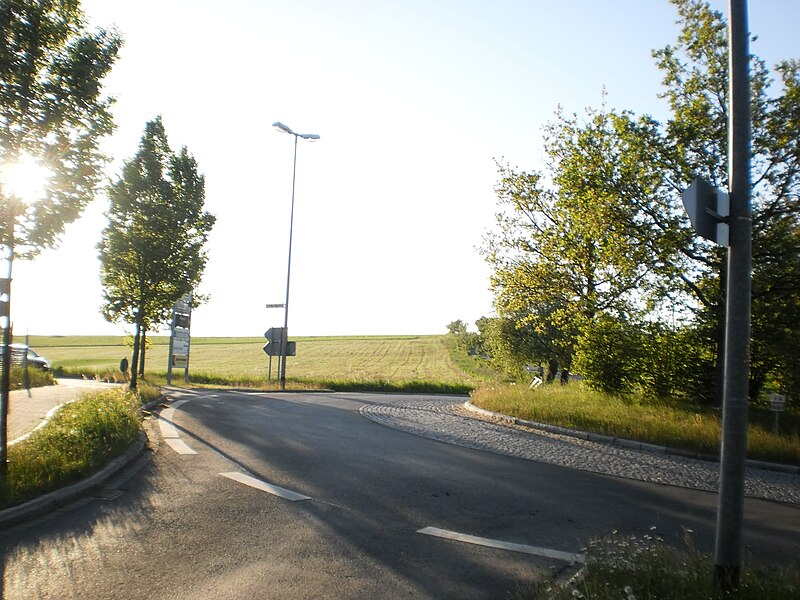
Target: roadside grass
x=673, y=424
x=335, y=385
x=30, y=377
x=644, y=568
x=82, y=437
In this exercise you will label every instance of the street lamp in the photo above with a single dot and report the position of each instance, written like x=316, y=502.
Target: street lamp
x=285, y=333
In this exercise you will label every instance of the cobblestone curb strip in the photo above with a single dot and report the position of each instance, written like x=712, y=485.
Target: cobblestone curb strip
x=604, y=439
x=451, y=422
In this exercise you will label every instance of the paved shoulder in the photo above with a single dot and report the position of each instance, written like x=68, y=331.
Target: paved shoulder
x=445, y=419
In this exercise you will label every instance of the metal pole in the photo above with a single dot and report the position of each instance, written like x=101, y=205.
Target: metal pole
x=5, y=358
x=285, y=333
x=729, y=540
x=171, y=352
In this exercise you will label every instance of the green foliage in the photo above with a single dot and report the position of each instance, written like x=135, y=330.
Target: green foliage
x=568, y=250
x=82, y=437
x=52, y=109
x=511, y=347
x=152, y=252
x=609, y=354
x=604, y=230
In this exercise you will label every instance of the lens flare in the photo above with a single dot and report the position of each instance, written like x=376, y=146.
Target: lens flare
x=26, y=178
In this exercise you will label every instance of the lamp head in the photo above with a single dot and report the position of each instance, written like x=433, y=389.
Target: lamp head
x=281, y=127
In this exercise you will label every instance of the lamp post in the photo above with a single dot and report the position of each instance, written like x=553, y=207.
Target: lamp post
x=285, y=334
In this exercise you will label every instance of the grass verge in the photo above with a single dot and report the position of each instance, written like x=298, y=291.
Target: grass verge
x=671, y=424
x=30, y=377
x=82, y=437
x=318, y=384
x=634, y=568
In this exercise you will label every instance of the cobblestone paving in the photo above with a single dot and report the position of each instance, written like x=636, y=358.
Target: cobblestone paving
x=447, y=420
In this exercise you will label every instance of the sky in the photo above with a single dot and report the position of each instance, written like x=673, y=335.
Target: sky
x=413, y=101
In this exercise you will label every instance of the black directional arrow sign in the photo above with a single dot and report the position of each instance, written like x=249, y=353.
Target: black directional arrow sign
x=274, y=336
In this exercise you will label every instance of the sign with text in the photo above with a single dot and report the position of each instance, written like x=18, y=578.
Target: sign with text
x=180, y=337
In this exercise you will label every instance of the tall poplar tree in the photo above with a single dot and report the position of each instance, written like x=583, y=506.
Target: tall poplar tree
x=152, y=251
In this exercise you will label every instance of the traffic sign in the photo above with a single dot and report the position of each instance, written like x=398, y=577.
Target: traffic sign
x=274, y=348
x=276, y=306
x=274, y=334
x=708, y=209
x=778, y=402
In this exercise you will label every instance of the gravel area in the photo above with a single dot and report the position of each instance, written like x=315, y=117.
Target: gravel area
x=448, y=420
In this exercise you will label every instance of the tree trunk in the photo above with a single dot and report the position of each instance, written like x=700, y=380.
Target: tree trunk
x=135, y=359
x=552, y=369
x=142, y=351
x=564, y=376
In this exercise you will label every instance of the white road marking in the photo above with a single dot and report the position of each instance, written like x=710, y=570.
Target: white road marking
x=265, y=487
x=179, y=446
x=165, y=423
x=525, y=549
x=169, y=432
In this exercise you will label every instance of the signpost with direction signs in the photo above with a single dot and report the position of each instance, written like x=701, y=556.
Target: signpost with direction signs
x=274, y=347
x=180, y=338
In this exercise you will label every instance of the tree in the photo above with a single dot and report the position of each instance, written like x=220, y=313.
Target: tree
x=609, y=234
x=53, y=111
x=568, y=249
x=152, y=251
x=694, y=142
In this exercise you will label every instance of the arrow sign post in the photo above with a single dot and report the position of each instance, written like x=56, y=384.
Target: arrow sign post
x=274, y=347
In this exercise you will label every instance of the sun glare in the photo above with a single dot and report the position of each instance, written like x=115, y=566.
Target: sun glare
x=25, y=178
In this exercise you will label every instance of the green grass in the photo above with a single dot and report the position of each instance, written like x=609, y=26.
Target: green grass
x=672, y=424
x=82, y=437
x=644, y=568
x=30, y=377
x=388, y=363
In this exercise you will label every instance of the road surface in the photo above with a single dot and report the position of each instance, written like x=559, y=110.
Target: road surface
x=253, y=495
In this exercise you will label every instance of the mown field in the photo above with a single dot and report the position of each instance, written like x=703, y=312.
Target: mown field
x=393, y=359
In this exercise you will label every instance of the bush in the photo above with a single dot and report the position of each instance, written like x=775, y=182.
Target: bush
x=609, y=355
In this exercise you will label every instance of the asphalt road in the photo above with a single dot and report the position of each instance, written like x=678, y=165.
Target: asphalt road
x=182, y=524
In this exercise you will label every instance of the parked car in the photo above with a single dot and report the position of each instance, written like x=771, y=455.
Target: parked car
x=23, y=355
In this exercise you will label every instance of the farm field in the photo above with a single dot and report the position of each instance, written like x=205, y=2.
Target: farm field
x=392, y=359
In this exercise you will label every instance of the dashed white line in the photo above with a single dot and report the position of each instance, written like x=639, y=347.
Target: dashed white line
x=523, y=548
x=265, y=487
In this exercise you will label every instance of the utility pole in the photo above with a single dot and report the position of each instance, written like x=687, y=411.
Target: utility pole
x=729, y=547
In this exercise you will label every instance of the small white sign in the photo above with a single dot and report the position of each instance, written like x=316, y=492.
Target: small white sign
x=778, y=402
